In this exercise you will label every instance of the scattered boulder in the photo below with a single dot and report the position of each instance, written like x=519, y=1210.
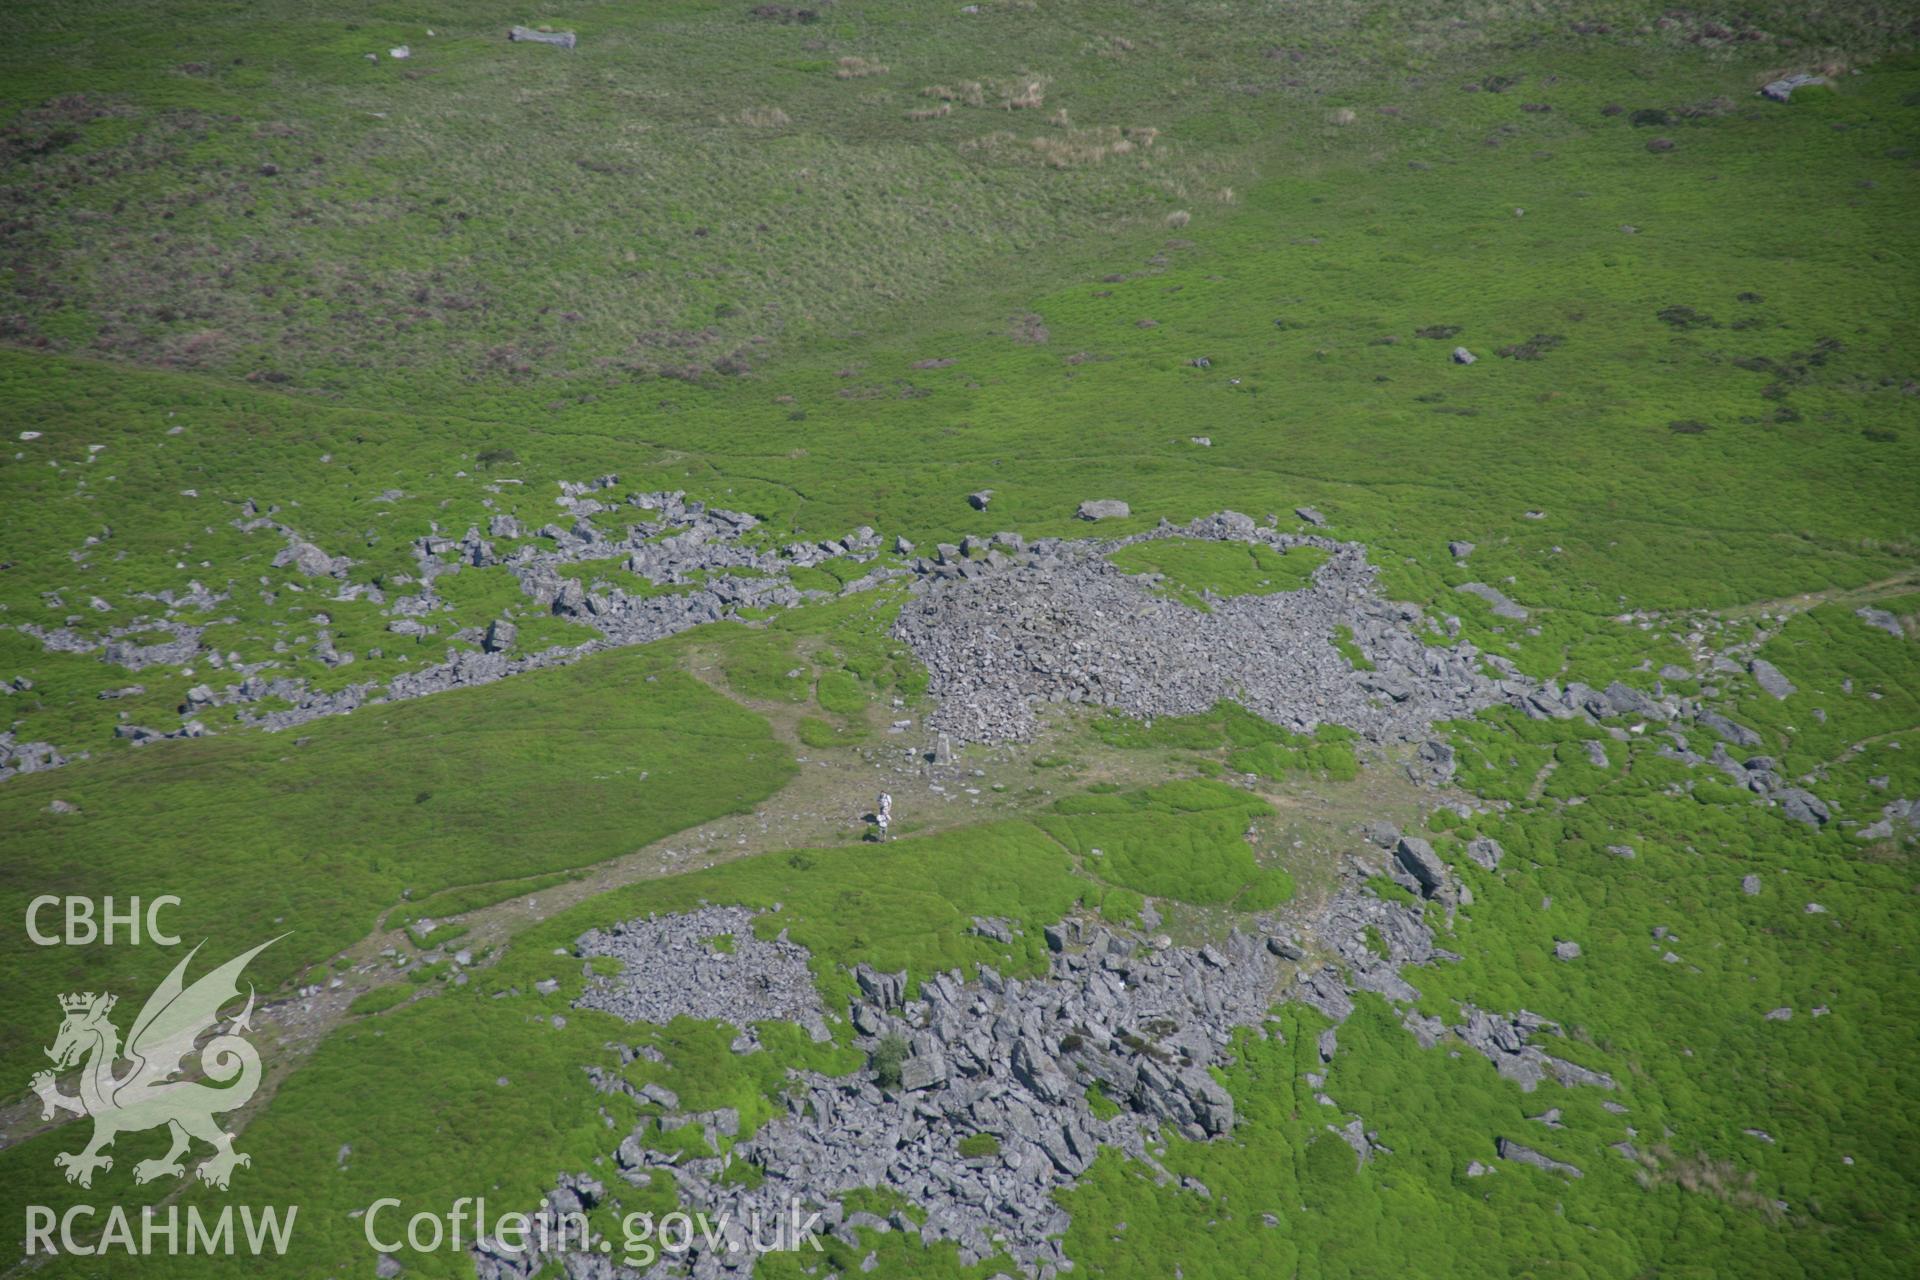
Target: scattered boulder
x=1510, y=1150
x=1880, y=619
x=1459, y=550
x=1463, y=356
x=500, y=636
x=1311, y=516
x=1803, y=806
x=1733, y=732
x=1422, y=863
x=1768, y=677
x=1485, y=851
x=1104, y=509
x=1781, y=90
x=1566, y=950
x=1497, y=599
x=1625, y=700
x=979, y=499
x=563, y=39
x=1750, y=885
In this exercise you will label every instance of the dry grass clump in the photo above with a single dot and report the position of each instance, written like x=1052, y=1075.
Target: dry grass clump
x=931, y=113
x=1343, y=116
x=1021, y=93
x=1077, y=148
x=1701, y=1174
x=851, y=68
x=1030, y=328
x=1179, y=218
x=763, y=118
x=968, y=93
x=989, y=141
x=1025, y=94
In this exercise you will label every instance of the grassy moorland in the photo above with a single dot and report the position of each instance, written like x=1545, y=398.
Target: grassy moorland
x=846, y=268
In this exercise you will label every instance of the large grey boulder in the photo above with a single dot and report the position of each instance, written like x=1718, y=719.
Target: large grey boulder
x=1502, y=606
x=1768, y=677
x=1781, y=90
x=1803, y=806
x=1104, y=509
x=1629, y=701
x=1881, y=619
x=1422, y=863
x=1510, y=1150
x=1738, y=734
x=563, y=39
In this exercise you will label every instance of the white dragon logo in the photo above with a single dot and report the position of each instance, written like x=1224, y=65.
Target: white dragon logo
x=147, y=1096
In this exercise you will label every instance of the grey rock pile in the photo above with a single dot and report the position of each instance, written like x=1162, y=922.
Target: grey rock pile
x=671, y=968
x=26, y=757
x=1009, y=1057
x=1014, y=626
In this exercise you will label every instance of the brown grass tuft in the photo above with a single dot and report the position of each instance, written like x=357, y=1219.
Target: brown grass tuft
x=1026, y=94
x=851, y=68
x=763, y=118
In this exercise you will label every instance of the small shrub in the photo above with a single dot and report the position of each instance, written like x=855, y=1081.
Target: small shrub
x=979, y=1146
x=886, y=1060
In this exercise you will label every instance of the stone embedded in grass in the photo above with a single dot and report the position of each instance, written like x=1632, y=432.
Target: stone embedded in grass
x=500, y=636
x=1104, y=509
x=1418, y=857
x=1463, y=356
x=561, y=39
x=1880, y=619
x=1496, y=598
x=1769, y=678
x=979, y=499
x=1781, y=90
x=1527, y=1155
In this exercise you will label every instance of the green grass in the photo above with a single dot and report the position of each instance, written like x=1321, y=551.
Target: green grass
x=320, y=831
x=1182, y=840
x=1191, y=570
